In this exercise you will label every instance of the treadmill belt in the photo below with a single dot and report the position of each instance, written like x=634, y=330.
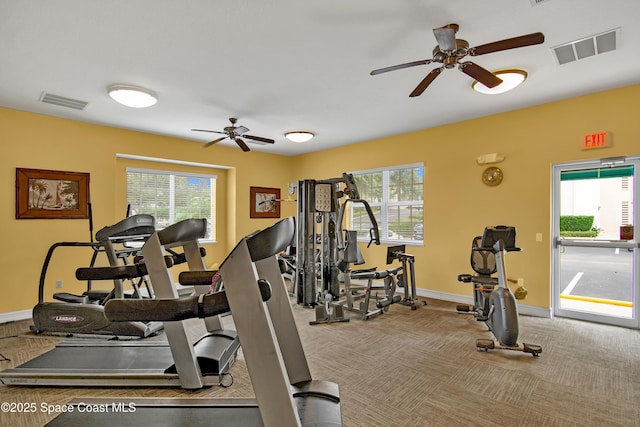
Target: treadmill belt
x=104, y=413
x=86, y=358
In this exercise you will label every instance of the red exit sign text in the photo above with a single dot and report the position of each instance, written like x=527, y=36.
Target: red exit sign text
x=596, y=140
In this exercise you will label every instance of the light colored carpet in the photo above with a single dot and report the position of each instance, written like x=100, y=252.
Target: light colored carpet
x=420, y=368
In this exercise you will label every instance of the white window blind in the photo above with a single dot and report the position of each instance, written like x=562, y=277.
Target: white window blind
x=172, y=196
x=395, y=195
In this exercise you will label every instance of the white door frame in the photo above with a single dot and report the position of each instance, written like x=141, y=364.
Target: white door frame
x=557, y=243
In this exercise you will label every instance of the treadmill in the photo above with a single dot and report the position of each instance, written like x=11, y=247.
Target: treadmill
x=84, y=314
x=179, y=362
x=286, y=394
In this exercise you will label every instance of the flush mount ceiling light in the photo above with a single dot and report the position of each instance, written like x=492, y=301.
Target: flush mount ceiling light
x=132, y=96
x=511, y=78
x=299, y=135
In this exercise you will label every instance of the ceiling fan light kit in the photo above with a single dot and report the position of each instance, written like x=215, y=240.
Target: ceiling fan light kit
x=511, y=78
x=299, y=135
x=132, y=96
x=450, y=51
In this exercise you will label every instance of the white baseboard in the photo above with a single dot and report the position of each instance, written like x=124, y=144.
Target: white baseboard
x=14, y=316
x=528, y=310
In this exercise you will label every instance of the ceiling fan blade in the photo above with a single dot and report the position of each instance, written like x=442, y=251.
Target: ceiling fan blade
x=242, y=144
x=209, y=144
x=401, y=66
x=259, y=138
x=205, y=130
x=240, y=130
x=512, y=43
x=446, y=37
x=422, y=86
x=482, y=75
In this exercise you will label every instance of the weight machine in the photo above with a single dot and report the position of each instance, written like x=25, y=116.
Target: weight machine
x=318, y=236
x=406, y=277
x=326, y=252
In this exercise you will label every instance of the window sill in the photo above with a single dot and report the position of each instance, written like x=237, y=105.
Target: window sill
x=397, y=242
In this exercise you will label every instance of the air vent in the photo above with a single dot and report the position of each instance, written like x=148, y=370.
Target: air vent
x=537, y=2
x=586, y=47
x=50, y=98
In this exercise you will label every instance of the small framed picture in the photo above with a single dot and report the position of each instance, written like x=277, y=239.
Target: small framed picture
x=264, y=202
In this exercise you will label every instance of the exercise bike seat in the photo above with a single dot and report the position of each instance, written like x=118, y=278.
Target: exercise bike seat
x=481, y=279
x=483, y=253
x=483, y=263
x=483, y=259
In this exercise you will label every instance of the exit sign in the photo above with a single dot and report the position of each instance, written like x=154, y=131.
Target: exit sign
x=596, y=140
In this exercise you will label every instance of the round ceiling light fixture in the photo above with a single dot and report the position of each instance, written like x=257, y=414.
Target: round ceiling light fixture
x=511, y=78
x=299, y=135
x=132, y=96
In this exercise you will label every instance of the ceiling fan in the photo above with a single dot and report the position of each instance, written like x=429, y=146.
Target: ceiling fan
x=449, y=52
x=235, y=132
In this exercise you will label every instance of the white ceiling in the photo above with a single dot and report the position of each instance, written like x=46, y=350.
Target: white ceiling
x=280, y=65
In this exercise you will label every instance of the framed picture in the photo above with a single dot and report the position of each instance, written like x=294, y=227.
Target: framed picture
x=47, y=194
x=264, y=202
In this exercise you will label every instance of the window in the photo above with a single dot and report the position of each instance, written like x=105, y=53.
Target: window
x=396, y=199
x=172, y=196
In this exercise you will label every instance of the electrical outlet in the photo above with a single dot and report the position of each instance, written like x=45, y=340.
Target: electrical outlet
x=520, y=281
x=58, y=284
x=538, y=237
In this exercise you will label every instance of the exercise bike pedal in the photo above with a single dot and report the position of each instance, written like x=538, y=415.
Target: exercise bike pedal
x=534, y=349
x=486, y=345
x=463, y=308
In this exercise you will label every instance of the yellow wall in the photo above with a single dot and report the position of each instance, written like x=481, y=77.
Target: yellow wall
x=457, y=205
x=40, y=142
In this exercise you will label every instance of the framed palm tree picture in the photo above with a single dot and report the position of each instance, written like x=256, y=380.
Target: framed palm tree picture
x=49, y=194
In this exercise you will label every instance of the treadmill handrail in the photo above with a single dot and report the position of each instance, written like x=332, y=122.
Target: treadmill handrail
x=268, y=242
x=97, y=247
x=117, y=272
x=168, y=310
x=43, y=273
x=183, y=231
x=272, y=240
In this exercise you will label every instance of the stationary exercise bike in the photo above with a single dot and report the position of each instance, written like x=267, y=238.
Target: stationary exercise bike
x=493, y=301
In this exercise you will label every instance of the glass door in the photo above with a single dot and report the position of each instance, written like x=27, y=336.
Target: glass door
x=595, y=262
